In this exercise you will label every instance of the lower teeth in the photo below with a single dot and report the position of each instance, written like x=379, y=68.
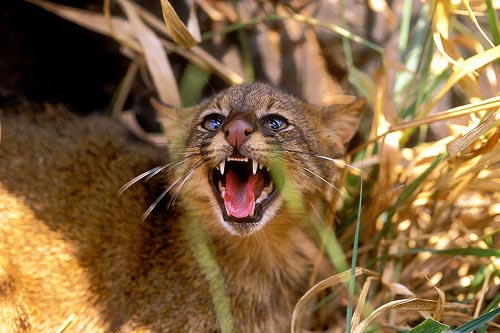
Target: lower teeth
x=262, y=197
x=253, y=210
x=265, y=193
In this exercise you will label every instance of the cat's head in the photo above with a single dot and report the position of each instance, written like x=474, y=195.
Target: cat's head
x=252, y=147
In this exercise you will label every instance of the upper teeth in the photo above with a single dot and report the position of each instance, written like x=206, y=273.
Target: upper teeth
x=255, y=164
x=238, y=159
x=222, y=166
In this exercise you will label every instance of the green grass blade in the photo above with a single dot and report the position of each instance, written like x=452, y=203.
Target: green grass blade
x=192, y=83
x=494, y=303
x=241, y=25
x=333, y=248
x=345, y=42
x=429, y=326
x=354, y=258
x=493, y=22
x=363, y=83
x=408, y=191
x=208, y=265
x=307, y=20
x=426, y=89
x=473, y=324
x=405, y=27
x=414, y=56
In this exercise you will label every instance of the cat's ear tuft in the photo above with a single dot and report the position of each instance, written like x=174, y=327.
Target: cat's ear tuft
x=167, y=114
x=346, y=119
x=340, y=123
x=174, y=122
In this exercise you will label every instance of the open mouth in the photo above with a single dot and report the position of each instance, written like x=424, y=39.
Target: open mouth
x=243, y=188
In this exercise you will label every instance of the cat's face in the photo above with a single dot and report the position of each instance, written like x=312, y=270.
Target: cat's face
x=254, y=148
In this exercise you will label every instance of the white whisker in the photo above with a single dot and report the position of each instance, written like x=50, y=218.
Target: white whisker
x=170, y=166
x=148, y=175
x=338, y=162
x=160, y=197
x=186, y=178
x=323, y=179
x=341, y=163
x=316, y=212
x=136, y=179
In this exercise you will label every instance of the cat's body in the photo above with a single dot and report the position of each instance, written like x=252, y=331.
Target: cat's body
x=74, y=251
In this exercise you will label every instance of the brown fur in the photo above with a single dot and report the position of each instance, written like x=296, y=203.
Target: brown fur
x=72, y=248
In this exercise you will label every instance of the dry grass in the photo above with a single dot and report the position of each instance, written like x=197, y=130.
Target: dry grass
x=428, y=227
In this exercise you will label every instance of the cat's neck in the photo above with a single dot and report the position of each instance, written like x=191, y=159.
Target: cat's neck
x=282, y=248
x=271, y=267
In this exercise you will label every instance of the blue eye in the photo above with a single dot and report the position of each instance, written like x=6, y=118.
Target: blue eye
x=213, y=122
x=275, y=122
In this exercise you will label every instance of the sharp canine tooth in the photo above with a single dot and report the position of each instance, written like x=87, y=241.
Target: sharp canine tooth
x=253, y=210
x=254, y=166
x=222, y=167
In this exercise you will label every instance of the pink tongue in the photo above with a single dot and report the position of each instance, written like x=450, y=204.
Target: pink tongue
x=240, y=195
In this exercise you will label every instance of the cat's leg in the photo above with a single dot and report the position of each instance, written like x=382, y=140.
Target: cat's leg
x=14, y=316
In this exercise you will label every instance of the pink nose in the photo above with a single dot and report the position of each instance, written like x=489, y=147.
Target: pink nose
x=237, y=132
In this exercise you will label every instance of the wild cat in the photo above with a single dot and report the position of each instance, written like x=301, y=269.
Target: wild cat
x=77, y=257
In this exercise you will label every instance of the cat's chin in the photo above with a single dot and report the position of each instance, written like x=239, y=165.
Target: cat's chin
x=244, y=227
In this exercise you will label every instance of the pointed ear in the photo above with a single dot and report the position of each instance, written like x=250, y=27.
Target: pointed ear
x=346, y=119
x=174, y=122
x=340, y=123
